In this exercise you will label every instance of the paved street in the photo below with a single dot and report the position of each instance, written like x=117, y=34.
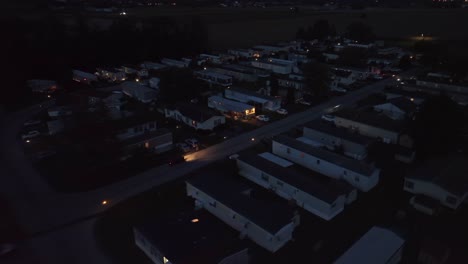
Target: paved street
x=56, y=217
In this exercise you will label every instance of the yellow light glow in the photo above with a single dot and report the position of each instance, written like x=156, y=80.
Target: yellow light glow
x=165, y=260
x=104, y=202
x=195, y=220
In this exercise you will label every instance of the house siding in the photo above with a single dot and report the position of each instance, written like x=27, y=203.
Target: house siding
x=367, y=130
x=432, y=190
x=362, y=182
x=350, y=149
x=305, y=200
x=240, y=223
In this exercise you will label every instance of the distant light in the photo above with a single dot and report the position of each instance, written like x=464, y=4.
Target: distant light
x=253, y=139
x=104, y=202
x=412, y=99
x=398, y=79
x=224, y=137
x=137, y=80
x=204, y=68
x=27, y=141
x=195, y=220
x=422, y=35
x=48, y=96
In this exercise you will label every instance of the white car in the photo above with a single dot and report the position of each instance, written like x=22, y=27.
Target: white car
x=184, y=147
x=282, y=111
x=32, y=123
x=192, y=142
x=302, y=101
x=30, y=134
x=263, y=118
x=329, y=118
x=339, y=89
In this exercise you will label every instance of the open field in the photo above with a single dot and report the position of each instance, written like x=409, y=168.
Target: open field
x=242, y=27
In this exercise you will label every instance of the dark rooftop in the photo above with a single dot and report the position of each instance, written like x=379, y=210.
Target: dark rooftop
x=404, y=104
x=371, y=118
x=269, y=215
x=184, y=242
x=195, y=112
x=450, y=173
x=340, y=132
x=345, y=162
x=132, y=121
x=146, y=136
x=317, y=185
x=252, y=93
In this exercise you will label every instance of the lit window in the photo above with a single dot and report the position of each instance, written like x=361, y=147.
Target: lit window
x=147, y=145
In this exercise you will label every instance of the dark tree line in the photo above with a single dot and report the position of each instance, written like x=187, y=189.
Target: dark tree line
x=320, y=30
x=50, y=47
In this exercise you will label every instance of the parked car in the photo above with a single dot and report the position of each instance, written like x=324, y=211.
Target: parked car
x=184, y=147
x=30, y=134
x=192, y=142
x=302, y=101
x=282, y=111
x=44, y=154
x=329, y=118
x=176, y=160
x=263, y=118
x=339, y=90
x=32, y=122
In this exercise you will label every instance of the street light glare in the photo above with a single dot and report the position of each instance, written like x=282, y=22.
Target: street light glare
x=104, y=202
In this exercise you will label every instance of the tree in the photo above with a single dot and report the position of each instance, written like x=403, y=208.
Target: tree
x=437, y=126
x=360, y=32
x=352, y=56
x=274, y=86
x=320, y=30
x=405, y=62
x=317, y=78
x=179, y=85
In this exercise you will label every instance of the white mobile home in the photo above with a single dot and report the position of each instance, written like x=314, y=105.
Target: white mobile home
x=111, y=74
x=335, y=138
x=242, y=72
x=269, y=224
x=152, y=66
x=189, y=236
x=83, y=77
x=200, y=118
x=245, y=96
x=439, y=182
x=318, y=194
x=371, y=124
x=175, y=63
x=359, y=174
x=140, y=92
x=231, y=107
x=377, y=246
x=214, y=77
x=275, y=65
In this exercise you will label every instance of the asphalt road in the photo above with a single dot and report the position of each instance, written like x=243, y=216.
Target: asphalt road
x=54, y=218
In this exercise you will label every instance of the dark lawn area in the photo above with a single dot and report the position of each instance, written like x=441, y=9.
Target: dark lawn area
x=71, y=172
x=10, y=231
